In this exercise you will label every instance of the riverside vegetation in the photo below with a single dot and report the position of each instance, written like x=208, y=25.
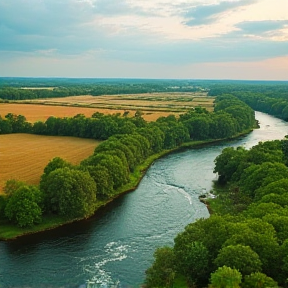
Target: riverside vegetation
x=70, y=192
x=245, y=241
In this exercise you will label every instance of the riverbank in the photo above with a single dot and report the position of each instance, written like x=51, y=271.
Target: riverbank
x=9, y=231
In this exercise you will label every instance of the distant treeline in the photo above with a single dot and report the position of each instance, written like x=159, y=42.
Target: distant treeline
x=75, y=191
x=268, y=98
x=58, y=88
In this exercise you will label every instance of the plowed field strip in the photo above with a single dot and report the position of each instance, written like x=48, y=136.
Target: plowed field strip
x=23, y=156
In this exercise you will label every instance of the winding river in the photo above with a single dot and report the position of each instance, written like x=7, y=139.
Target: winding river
x=118, y=243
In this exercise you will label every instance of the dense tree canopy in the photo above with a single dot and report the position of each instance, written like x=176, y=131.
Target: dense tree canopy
x=70, y=193
x=24, y=206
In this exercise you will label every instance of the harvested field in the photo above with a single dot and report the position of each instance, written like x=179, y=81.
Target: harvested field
x=23, y=157
x=153, y=105
x=34, y=112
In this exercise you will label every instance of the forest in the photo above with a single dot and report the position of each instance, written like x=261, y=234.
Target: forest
x=268, y=97
x=22, y=88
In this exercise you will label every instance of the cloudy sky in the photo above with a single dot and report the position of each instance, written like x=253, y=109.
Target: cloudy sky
x=194, y=39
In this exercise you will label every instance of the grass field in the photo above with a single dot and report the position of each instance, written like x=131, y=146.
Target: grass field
x=152, y=105
x=24, y=156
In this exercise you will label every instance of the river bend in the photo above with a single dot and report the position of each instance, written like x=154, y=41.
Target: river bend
x=118, y=243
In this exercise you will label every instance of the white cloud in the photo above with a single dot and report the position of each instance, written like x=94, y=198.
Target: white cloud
x=155, y=32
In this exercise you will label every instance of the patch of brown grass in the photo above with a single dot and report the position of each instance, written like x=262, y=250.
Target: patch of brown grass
x=23, y=157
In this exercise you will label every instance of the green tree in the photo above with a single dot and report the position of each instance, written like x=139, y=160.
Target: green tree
x=227, y=163
x=24, y=206
x=281, y=200
x=162, y=272
x=53, y=164
x=154, y=135
x=258, y=280
x=3, y=202
x=256, y=176
x=278, y=187
x=39, y=128
x=239, y=257
x=18, y=123
x=225, y=277
x=70, y=193
x=118, y=172
x=113, y=143
x=5, y=126
x=256, y=210
x=263, y=243
x=280, y=224
x=283, y=271
x=192, y=262
x=11, y=186
x=103, y=180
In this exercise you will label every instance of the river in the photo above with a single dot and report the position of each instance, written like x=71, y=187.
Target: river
x=118, y=243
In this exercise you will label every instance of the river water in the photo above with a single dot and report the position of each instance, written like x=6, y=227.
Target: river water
x=118, y=243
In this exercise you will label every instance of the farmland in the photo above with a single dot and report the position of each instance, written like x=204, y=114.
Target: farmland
x=152, y=105
x=23, y=157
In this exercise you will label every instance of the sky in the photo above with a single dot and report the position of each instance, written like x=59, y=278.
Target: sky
x=177, y=39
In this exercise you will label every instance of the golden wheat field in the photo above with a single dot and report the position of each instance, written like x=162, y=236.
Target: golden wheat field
x=38, y=112
x=23, y=157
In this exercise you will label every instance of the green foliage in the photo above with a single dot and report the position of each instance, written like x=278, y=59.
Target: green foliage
x=118, y=172
x=266, y=184
x=258, y=280
x=263, y=243
x=225, y=277
x=24, y=206
x=11, y=186
x=5, y=126
x=256, y=210
x=212, y=232
x=3, y=202
x=227, y=163
x=280, y=224
x=239, y=257
x=278, y=187
x=283, y=271
x=70, y=193
x=103, y=180
x=192, y=262
x=56, y=163
x=18, y=123
x=256, y=176
x=162, y=272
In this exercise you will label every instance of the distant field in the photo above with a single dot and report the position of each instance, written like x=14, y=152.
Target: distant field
x=24, y=156
x=152, y=105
